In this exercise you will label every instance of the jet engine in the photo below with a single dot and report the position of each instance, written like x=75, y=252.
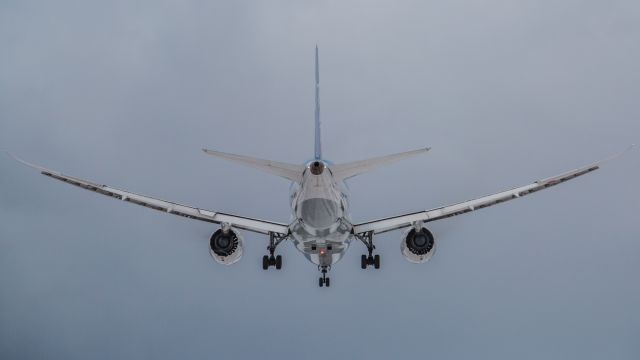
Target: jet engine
x=226, y=245
x=418, y=246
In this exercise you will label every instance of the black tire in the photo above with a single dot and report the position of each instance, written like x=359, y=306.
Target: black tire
x=363, y=261
x=327, y=282
x=278, y=262
x=320, y=282
x=376, y=261
x=265, y=262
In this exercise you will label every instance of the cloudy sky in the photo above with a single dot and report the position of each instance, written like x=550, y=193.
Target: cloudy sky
x=506, y=92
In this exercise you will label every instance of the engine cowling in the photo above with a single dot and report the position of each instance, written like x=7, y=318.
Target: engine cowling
x=225, y=246
x=418, y=246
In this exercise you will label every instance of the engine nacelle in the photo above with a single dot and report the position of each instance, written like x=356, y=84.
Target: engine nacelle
x=226, y=246
x=418, y=246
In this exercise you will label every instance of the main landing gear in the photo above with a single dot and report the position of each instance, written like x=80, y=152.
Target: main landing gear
x=366, y=261
x=271, y=259
x=268, y=261
x=324, y=280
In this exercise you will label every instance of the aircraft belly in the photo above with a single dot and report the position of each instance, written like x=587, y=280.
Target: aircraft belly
x=319, y=212
x=322, y=247
x=321, y=230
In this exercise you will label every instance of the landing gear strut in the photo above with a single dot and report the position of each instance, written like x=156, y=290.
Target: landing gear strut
x=271, y=259
x=366, y=261
x=324, y=280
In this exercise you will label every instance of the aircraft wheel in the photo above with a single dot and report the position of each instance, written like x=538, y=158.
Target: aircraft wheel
x=376, y=261
x=265, y=262
x=327, y=282
x=320, y=282
x=363, y=261
x=278, y=262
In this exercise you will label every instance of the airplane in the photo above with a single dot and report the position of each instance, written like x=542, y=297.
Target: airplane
x=321, y=229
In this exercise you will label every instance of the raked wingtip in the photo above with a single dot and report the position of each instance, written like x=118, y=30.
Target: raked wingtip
x=28, y=164
x=11, y=156
x=629, y=148
x=626, y=150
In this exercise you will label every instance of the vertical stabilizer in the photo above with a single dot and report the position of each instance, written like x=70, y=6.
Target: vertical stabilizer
x=318, y=148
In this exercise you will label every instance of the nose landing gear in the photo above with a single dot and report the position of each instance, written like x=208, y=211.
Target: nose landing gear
x=324, y=280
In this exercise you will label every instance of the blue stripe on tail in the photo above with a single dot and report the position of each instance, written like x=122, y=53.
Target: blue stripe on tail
x=318, y=148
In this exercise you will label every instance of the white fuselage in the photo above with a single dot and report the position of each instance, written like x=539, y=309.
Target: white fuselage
x=321, y=228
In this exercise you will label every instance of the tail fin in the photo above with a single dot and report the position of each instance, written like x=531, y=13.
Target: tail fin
x=287, y=171
x=347, y=170
x=318, y=148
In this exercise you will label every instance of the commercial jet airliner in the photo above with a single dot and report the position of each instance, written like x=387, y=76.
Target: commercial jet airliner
x=321, y=228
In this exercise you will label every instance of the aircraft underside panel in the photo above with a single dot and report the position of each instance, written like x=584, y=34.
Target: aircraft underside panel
x=319, y=213
x=322, y=247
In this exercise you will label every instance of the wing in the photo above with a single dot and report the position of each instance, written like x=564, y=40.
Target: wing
x=398, y=222
x=255, y=225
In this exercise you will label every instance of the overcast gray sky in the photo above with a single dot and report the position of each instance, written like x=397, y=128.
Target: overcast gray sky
x=506, y=92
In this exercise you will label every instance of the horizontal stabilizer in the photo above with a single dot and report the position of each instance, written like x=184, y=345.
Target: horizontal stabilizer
x=288, y=171
x=351, y=169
